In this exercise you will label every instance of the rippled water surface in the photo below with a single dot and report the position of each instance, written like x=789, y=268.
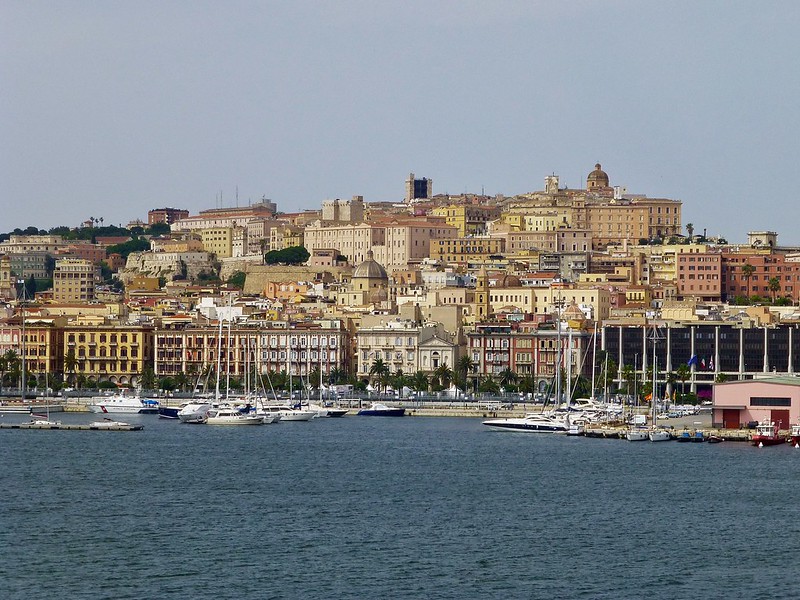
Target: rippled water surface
x=396, y=508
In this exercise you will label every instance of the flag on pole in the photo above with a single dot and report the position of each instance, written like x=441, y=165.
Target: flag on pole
x=702, y=363
x=692, y=361
x=711, y=364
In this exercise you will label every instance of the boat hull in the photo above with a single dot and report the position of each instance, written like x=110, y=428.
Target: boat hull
x=382, y=412
x=521, y=425
x=168, y=412
x=760, y=440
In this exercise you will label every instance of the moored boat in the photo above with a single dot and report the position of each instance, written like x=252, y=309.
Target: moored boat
x=231, y=416
x=530, y=423
x=659, y=435
x=636, y=434
x=377, y=409
x=767, y=434
x=193, y=412
x=794, y=436
x=124, y=403
x=112, y=424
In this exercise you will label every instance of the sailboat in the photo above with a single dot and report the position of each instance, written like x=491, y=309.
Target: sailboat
x=656, y=434
x=224, y=413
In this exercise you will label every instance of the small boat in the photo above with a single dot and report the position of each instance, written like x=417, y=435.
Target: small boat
x=123, y=403
x=286, y=413
x=715, y=439
x=575, y=430
x=377, y=409
x=42, y=422
x=327, y=411
x=685, y=436
x=111, y=424
x=194, y=412
x=698, y=437
x=225, y=415
x=530, y=423
x=767, y=434
x=636, y=434
x=659, y=435
x=794, y=436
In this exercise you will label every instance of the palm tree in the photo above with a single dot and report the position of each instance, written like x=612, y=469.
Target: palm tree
x=9, y=364
x=378, y=370
x=747, y=273
x=443, y=375
x=507, y=378
x=690, y=230
x=420, y=381
x=774, y=285
x=683, y=372
x=71, y=363
x=399, y=380
x=465, y=366
x=489, y=386
x=336, y=376
x=628, y=376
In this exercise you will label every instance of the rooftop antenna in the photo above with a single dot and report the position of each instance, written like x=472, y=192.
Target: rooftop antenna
x=237, y=196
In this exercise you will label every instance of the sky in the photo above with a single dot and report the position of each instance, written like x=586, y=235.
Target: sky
x=110, y=109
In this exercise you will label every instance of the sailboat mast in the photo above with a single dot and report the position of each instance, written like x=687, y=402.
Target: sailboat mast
x=594, y=358
x=219, y=357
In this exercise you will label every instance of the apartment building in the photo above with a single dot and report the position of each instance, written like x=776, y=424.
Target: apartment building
x=74, y=280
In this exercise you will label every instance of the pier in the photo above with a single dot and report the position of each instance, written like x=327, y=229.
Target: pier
x=73, y=427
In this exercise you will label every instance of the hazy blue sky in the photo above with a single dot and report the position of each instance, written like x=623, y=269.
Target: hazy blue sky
x=113, y=108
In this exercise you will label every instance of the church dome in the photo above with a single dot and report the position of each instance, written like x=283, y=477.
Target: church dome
x=370, y=269
x=597, y=178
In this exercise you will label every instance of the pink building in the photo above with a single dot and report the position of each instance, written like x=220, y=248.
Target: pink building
x=775, y=399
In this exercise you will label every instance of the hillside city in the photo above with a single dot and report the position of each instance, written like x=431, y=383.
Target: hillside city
x=456, y=294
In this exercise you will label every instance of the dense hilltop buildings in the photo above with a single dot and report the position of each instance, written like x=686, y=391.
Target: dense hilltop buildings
x=465, y=291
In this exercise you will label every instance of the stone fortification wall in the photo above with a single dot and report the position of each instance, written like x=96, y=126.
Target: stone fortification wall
x=165, y=264
x=259, y=275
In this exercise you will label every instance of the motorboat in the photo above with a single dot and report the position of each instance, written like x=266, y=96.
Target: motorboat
x=327, y=411
x=287, y=413
x=575, y=429
x=637, y=434
x=659, y=435
x=228, y=415
x=112, y=424
x=794, y=436
x=123, y=403
x=685, y=436
x=193, y=412
x=715, y=439
x=698, y=437
x=767, y=434
x=531, y=423
x=377, y=409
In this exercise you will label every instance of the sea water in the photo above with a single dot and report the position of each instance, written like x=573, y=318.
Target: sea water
x=364, y=507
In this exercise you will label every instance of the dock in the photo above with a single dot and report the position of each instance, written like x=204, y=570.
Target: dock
x=73, y=427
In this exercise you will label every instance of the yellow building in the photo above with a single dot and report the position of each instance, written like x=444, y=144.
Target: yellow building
x=463, y=250
x=218, y=241
x=74, y=280
x=468, y=218
x=104, y=351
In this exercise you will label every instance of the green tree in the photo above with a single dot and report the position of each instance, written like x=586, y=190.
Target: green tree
x=420, y=382
x=683, y=372
x=489, y=386
x=378, y=371
x=70, y=364
x=293, y=255
x=747, y=273
x=774, y=285
x=237, y=280
x=443, y=376
x=690, y=230
x=148, y=379
x=465, y=367
x=507, y=378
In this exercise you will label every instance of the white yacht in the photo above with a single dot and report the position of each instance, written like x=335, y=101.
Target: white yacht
x=636, y=434
x=287, y=413
x=532, y=423
x=327, y=411
x=122, y=402
x=659, y=435
x=194, y=412
x=225, y=415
